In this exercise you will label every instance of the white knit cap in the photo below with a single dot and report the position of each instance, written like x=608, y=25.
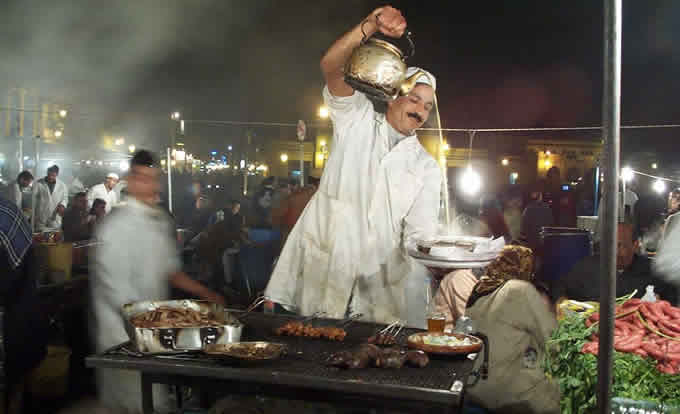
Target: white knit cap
x=427, y=79
x=112, y=175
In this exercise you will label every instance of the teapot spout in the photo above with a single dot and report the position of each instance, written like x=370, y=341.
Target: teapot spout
x=410, y=82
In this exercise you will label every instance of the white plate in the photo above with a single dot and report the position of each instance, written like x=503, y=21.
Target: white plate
x=452, y=265
x=485, y=249
x=478, y=258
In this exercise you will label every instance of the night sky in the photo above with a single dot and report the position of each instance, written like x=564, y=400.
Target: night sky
x=124, y=65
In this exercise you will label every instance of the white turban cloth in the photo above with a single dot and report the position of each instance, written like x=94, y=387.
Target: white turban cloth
x=112, y=175
x=426, y=78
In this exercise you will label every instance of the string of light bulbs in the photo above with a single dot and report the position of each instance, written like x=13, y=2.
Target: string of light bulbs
x=294, y=124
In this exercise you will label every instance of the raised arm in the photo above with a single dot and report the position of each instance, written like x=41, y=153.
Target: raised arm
x=387, y=20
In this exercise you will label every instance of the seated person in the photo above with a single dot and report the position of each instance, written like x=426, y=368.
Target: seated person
x=516, y=314
x=536, y=215
x=217, y=238
x=452, y=296
x=673, y=213
x=667, y=261
x=98, y=210
x=77, y=224
x=634, y=272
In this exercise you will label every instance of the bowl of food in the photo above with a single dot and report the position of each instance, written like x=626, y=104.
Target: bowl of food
x=441, y=343
x=258, y=351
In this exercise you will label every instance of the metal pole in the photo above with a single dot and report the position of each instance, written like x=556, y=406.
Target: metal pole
x=33, y=193
x=21, y=154
x=597, y=191
x=169, y=164
x=622, y=209
x=611, y=122
x=302, y=164
x=37, y=154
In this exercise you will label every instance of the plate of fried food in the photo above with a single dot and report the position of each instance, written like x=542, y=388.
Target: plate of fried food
x=253, y=352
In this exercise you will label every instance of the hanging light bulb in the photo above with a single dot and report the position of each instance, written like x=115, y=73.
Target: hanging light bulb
x=659, y=186
x=627, y=174
x=470, y=182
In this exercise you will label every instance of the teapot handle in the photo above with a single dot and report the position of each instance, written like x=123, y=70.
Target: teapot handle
x=407, y=35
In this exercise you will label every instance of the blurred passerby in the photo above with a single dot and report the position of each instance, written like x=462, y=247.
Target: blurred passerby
x=24, y=325
x=136, y=261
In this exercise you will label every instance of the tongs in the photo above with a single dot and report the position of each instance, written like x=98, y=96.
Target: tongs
x=392, y=329
x=257, y=302
x=349, y=320
x=315, y=315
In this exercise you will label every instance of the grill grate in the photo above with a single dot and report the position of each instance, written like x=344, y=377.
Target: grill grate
x=307, y=356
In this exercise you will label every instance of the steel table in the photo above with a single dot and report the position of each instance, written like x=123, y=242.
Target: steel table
x=302, y=374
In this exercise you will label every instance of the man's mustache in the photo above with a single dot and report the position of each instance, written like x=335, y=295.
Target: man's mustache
x=416, y=116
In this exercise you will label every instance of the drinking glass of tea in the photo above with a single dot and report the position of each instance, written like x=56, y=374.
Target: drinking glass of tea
x=436, y=320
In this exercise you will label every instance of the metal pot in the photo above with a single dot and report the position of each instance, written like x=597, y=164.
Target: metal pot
x=378, y=68
x=176, y=340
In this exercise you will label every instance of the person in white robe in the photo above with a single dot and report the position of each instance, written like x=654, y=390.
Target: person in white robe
x=379, y=190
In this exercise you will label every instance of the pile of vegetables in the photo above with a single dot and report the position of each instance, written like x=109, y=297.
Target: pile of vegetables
x=648, y=329
x=644, y=376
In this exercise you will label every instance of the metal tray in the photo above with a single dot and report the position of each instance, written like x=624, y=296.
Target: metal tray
x=177, y=340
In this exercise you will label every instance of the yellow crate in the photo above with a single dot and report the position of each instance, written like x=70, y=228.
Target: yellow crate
x=56, y=257
x=50, y=378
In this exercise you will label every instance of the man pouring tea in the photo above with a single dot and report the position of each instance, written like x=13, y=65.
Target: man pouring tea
x=380, y=188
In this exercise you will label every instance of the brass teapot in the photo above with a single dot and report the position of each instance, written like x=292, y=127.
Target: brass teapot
x=377, y=67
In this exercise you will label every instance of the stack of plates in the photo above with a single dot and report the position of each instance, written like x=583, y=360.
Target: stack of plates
x=456, y=252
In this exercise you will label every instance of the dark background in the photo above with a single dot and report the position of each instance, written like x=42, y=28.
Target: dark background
x=124, y=65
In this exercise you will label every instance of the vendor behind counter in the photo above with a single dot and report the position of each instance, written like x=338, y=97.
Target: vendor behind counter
x=634, y=272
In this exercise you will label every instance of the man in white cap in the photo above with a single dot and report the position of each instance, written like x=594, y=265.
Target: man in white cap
x=105, y=192
x=380, y=188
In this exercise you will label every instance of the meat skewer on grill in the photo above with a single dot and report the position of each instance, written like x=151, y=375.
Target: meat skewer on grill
x=297, y=328
x=387, y=336
x=370, y=355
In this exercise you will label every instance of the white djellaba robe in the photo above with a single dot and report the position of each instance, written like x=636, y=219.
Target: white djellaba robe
x=132, y=263
x=350, y=240
x=100, y=191
x=46, y=202
x=14, y=194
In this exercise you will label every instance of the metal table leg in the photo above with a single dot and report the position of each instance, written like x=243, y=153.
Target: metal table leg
x=147, y=394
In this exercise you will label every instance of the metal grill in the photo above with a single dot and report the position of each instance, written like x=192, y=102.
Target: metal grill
x=307, y=356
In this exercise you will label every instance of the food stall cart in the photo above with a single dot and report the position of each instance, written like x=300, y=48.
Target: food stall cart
x=303, y=373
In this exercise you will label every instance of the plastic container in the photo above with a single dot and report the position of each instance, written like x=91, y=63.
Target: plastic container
x=464, y=325
x=627, y=406
x=264, y=235
x=649, y=295
x=50, y=379
x=563, y=247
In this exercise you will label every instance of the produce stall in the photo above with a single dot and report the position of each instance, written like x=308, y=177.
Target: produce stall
x=312, y=368
x=646, y=362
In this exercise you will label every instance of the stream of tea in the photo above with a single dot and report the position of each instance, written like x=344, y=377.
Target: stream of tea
x=443, y=165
